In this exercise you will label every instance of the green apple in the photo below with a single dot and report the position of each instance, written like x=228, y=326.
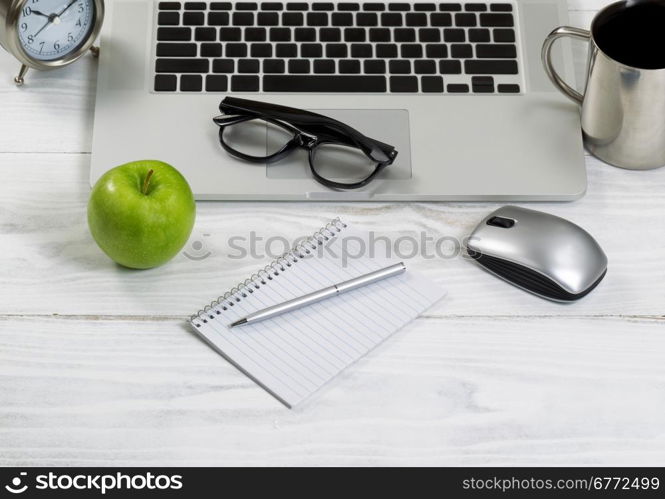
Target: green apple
x=141, y=213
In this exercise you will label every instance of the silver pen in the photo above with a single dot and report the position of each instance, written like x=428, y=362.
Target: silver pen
x=322, y=294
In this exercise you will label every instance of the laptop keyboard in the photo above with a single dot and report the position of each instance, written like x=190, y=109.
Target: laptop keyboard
x=429, y=48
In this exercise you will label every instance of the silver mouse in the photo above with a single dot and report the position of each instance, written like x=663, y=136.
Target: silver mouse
x=541, y=253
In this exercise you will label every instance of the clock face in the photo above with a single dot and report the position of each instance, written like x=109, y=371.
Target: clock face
x=51, y=29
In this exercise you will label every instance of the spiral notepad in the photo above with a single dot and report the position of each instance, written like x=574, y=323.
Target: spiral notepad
x=295, y=354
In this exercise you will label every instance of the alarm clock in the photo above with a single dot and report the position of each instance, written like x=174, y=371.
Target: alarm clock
x=48, y=34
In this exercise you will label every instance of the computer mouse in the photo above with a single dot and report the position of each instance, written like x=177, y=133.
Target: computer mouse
x=538, y=252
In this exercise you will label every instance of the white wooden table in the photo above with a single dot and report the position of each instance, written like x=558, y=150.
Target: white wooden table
x=98, y=367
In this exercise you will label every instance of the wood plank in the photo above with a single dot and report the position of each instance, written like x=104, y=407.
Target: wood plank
x=483, y=391
x=51, y=264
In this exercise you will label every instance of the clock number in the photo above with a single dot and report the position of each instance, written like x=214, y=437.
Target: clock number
x=31, y=38
x=56, y=46
x=41, y=47
x=24, y=26
x=70, y=38
x=80, y=8
x=27, y=11
x=78, y=23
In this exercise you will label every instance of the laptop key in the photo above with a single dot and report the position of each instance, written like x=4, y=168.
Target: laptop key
x=330, y=35
x=348, y=7
x=424, y=7
x=193, y=19
x=465, y=20
x=416, y=19
x=191, y=83
x=374, y=66
x=461, y=50
x=403, y=7
x=324, y=66
x=454, y=35
x=324, y=83
x=286, y=50
x=255, y=34
x=501, y=20
x=317, y=19
x=261, y=50
x=431, y=84
x=195, y=6
x=379, y=35
x=169, y=5
x=374, y=7
x=355, y=35
x=218, y=19
x=458, y=88
x=450, y=67
x=450, y=7
x=273, y=66
x=498, y=51
x=205, y=34
x=311, y=50
x=304, y=34
x=361, y=50
x=403, y=84
x=411, y=50
x=235, y=50
x=166, y=83
x=479, y=35
x=211, y=50
x=490, y=66
x=243, y=19
x=293, y=19
x=217, y=83
x=342, y=19
x=182, y=66
x=298, y=66
x=349, y=66
x=220, y=6
x=436, y=50
x=336, y=50
x=174, y=34
x=245, y=83
x=424, y=66
x=280, y=35
x=508, y=89
x=367, y=19
x=475, y=7
x=405, y=34
x=267, y=19
x=168, y=19
x=482, y=84
x=501, y=7
x=386, y=50
x=429, y=35
x=441, y=19
x=176, y=50
x=504, y=35
x=272, y=6
x=398, y=66
x=391, y=19
x=323, y=6
x=297, y=6
x=246, y=6
x=223, y=66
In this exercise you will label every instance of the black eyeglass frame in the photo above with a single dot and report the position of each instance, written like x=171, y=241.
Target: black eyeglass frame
x=309, y=130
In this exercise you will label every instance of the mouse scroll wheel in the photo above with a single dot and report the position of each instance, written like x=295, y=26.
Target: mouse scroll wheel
x=505, y=223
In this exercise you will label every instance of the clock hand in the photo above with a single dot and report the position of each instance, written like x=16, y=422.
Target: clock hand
x=66, y=8
x=39, y=13
x=43, y=27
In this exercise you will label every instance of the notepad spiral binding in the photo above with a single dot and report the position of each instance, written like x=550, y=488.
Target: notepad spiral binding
x=261, y=278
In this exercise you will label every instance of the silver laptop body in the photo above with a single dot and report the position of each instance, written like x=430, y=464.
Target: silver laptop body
x=508, y=136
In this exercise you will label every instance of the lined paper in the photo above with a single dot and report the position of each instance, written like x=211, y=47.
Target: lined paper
x=295, y=354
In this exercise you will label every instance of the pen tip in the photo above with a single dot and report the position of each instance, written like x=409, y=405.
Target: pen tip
x=238, y=323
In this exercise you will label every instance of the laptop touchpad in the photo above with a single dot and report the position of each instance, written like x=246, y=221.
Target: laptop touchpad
x=341, y=164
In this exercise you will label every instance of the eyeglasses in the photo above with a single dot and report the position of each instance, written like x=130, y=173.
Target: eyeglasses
x=340, y=157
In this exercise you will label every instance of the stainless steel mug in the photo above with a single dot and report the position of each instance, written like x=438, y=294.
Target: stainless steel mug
x=623, y=105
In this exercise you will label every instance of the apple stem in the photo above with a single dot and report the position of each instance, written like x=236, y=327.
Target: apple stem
x=146, y=182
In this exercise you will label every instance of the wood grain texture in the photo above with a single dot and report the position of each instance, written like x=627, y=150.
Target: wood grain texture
x=484, y=391
x=53, y=266
x=491, y=376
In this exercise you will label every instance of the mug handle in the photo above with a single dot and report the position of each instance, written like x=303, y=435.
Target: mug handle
x=546, y=55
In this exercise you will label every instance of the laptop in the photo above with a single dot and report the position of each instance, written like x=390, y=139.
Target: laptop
x=458, y=88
